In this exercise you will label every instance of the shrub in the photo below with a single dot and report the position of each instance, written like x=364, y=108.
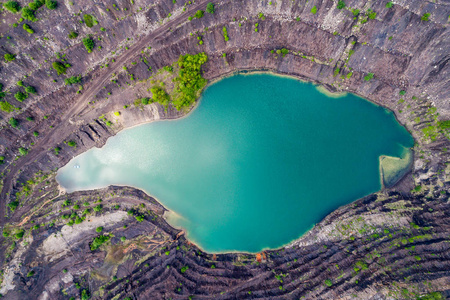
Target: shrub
x=210, y=8
x=9, y=57
x=20, y=96
x=99, y=229
x=432, y=296
x=225, y=34
x=389, y=4
x=314, y=10
x=402, y=92
x=368, y=76
x=35, y=133
x=371, y=14
x=71, y=143
x=30, y=89
x=35, y=5
x=184, y=269
x=160, y=95
x=88, y=44
x=51, y=4
x=89, y=20
x=139, y=218
x=6, y=106
x=199, y=14
x=12, y=206
x=21, y=232
x=340, y=5
x=12, y=6
x=123, y=239
x=73, y=35
x=59, y=67
x=13, y=122
x=31, y=273
x=98, y=241
x=23, y=151
x=425, y=16
x=72, y=80
x=28, y=28
x=144, y=101
x=28, y=14
x=56, y=150
x=98, y=208
x=328, y=282
x=355, y=12
x=85, y=295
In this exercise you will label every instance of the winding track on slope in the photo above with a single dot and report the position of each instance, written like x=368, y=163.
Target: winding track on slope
x=53, y=137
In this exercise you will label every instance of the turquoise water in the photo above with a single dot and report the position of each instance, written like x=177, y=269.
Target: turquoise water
x=257, y=163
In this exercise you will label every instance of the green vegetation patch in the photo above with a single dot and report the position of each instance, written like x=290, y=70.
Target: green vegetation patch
x=98, y=241
x=189, y=81
x=160, y=96
x=7, y=107
x=210, y=8
x=60, y=67
x=225, y=34
x=27, y=28
x=89, y=20
x=28, y=14
x=51, y=4
x=12, y=6
x=88, y=44
x=72, y=80
x=9, y=57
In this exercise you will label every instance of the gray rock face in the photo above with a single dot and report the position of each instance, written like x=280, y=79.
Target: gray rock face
x=335, y=48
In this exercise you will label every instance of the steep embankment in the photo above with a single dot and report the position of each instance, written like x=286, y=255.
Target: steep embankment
x=395, y=55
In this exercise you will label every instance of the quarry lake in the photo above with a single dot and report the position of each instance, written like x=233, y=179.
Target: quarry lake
x=259, y=161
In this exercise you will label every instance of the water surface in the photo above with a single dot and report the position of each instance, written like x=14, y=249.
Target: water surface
x=257, y=164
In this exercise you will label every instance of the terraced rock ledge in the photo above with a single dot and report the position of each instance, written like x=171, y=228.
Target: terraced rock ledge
x=393, y=244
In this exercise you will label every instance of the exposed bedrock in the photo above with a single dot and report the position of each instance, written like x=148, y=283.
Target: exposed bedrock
x=394, y=58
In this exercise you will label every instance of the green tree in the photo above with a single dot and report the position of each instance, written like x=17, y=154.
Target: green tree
x=314, y=10
x=71, y=143
x=199, y=14
x=20, y=96
x=73, y=35
x=13, y=122
x=368, y=76
x=98, y=241
x=210, y=8
x=27, y=28
x=23, y=151
x=30, y=89
x=425, y=17
x=59, y=67
x=28, y=14
x=51, y=4
x=85, y=295
x=36, y=4
x=160, y=96
x=340, y=5
x=12, y=6
x=72, y=80
x=9, y=57
x=99, y=229
x=88, y=44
